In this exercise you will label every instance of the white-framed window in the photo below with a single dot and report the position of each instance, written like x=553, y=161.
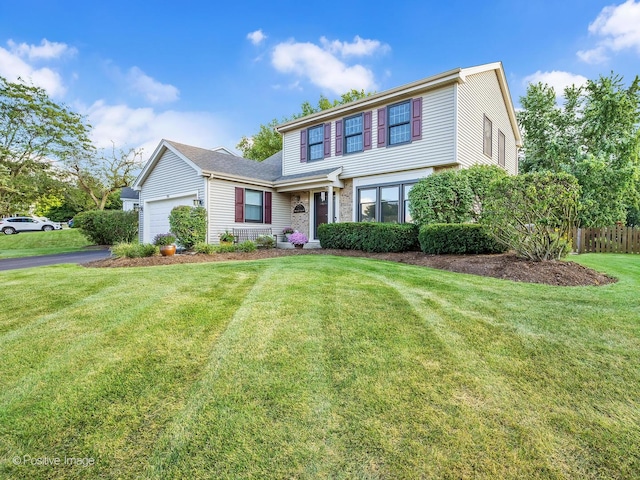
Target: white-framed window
x=487, y=143
x=316, y=143
x=253, y=206
x=399, y=123
x=353, y=127
x=387, y=203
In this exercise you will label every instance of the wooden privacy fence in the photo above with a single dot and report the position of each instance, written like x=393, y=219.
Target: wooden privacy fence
x=616, y=239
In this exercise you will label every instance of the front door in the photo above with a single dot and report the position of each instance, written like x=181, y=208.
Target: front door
x=321, y=210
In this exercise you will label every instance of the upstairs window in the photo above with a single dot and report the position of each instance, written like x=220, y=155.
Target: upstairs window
x=501, y=148
x=353, y=134
x=399, y=123
x=488, y=137
x=315, y=143
x=316, y=147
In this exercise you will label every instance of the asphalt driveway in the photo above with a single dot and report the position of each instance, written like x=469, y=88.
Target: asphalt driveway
x=58, y=258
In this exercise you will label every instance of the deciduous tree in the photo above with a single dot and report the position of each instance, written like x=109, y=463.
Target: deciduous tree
x=267, y=141
x=35, y=134
x=593, y=135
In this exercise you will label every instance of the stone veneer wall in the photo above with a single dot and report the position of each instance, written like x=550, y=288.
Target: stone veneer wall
x=300, y=221
x=346, y=202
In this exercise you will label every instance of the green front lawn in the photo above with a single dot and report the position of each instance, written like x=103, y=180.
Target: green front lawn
x=28, y=244
x=318, y=367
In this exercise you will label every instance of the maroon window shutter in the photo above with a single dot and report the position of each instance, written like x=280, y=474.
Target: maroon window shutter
x=416, y=119
x=239, y=205
x=303, y=146
x=366, y=137
x=327, y=139
x=339, y=139
x=267, y=207
x=382, y=127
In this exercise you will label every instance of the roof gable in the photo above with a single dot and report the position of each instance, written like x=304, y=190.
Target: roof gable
x=214, y=162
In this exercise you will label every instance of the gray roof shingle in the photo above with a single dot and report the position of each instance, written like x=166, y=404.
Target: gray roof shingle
x=210, y=161
x=129, y=193
x=269, y=169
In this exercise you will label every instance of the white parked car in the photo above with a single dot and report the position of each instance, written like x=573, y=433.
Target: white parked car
x=12, y=225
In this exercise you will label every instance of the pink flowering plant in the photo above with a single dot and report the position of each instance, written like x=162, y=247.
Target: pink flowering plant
x=298, y=238
x=287, y=230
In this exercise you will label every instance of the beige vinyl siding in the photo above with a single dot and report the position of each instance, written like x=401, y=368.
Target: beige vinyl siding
x=435, y=148
x=222, y=208
x=170, y=177
x=481, y=95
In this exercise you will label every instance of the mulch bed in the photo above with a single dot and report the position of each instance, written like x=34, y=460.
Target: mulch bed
x=506, y=266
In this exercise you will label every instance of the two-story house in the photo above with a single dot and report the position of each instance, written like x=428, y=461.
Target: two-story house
x=355, y=162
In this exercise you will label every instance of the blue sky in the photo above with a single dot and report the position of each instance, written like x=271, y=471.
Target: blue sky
x=206, y=73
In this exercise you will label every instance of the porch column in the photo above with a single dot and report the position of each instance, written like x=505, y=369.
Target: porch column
x=330, y=215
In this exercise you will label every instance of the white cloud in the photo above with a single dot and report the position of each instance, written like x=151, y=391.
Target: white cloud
x=45, y=51
x=256, y=37
x=152, y=90
x=557, y=79
x=595, y=55
x=145, y=127
x=358, y=48
x=321, y=66
x=618, y=27
x=13, y=67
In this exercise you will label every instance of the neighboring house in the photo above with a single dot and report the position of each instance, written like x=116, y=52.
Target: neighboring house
x=354, y=162
x=130, y=199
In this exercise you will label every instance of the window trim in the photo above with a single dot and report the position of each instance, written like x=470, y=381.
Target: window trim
x=261, y=192
x=320, y=127
x=378, y=187
x=487, y=142
x=390, y=126
x=345, y=136
x=502, y=149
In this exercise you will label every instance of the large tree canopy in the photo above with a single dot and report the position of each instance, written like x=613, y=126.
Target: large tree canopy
x=595, y=136
x=100, y=174
x=35, y=133
x=267, y=141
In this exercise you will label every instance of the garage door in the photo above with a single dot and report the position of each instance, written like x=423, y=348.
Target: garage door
x=158, y=214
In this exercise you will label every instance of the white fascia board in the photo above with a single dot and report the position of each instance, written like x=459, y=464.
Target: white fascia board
x=237, y=179
x=382, y=98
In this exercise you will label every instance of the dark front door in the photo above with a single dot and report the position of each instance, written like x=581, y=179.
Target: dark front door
x=321, y=210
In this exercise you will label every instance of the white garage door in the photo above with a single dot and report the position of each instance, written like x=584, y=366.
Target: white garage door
x=158, y=215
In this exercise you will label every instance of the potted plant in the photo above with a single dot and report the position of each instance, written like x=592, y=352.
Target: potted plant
x=166, y=242
x=286, y=231
x=298, y=239
x=226, y=238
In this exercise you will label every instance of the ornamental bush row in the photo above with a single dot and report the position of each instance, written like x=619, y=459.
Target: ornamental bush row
x=457, y=238
x=369, y=237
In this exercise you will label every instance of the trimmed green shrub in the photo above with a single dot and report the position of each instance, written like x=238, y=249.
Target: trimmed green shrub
x=369, y=237
x=480, y=178
x=226, y=248
x=457, y=238
x=134, y=250
x=265, y=241
x=189, y=225
x=204, y=247
x=444, y=197
x=108, y=227
x=533, y=213
x=247, y=246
